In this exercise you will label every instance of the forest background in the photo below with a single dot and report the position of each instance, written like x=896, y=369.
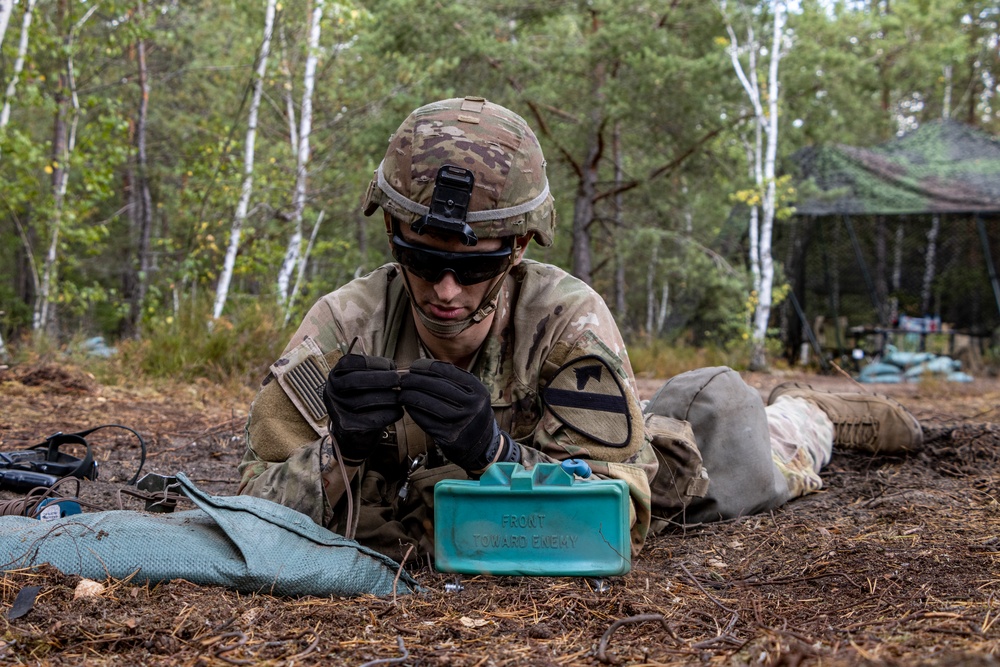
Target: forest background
x=142, y=142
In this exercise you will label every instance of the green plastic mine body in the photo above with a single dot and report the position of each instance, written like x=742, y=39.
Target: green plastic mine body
x=542, y=522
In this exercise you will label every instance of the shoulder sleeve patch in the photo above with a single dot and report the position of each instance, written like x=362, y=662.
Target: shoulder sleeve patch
x=302, y=372
x=587, y=396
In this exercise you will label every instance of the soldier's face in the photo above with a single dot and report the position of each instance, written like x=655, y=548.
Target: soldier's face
x=446, y=298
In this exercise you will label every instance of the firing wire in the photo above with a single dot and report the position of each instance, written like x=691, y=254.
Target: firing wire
x=142, y=446
x=29, y=504
x=349, y=530
x=350, y=526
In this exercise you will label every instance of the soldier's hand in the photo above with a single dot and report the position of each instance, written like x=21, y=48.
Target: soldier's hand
x=361, y=397
x=453, y=407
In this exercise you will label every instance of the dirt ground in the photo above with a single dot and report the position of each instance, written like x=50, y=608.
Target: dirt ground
x=896, y=561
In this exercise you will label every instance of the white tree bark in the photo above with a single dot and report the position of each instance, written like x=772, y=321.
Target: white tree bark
x=761, y=229
x=40, y=316
x=302, y=265
x=22, y=50
x=302, y=159
x=286, y=70
x=754, y=154
x=926, y=291
x=763, y=312
x=240, y=216
x=753, y=231
x=946, y=104
x=661, y=318
x=6, y=9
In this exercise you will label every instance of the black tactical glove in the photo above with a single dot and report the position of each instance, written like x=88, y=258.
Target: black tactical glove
x=453, y=407
x=360, y=395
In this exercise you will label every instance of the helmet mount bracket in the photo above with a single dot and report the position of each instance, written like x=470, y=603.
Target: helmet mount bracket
x=450, y=204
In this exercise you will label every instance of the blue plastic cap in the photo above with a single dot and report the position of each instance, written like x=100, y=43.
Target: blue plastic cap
x=577, y=467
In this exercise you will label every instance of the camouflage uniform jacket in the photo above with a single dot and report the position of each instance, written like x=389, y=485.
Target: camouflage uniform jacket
x=545, y=320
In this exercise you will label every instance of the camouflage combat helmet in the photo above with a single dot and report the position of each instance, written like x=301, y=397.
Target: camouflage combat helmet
x=492, y=145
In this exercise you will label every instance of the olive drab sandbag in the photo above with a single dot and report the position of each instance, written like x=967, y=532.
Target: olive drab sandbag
x=730, y=429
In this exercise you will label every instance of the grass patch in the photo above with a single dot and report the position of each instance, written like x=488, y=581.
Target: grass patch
x=233, y=349
x=662, y=360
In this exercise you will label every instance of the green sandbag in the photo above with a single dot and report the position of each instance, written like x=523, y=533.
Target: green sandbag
x=244, y=543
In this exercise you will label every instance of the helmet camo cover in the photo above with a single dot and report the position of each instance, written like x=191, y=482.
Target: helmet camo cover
x=511, y=193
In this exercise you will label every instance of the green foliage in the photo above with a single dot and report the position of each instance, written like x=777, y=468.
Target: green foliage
x=237, y=348
x=706, y=296
x=654, y=74
x=785, y=196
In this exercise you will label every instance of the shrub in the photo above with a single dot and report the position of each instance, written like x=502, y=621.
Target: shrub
x=236, y=348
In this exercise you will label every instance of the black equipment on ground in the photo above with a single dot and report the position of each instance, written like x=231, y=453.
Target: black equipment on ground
x=42, y=465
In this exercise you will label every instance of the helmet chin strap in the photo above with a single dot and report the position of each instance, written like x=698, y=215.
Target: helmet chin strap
x=451, y=328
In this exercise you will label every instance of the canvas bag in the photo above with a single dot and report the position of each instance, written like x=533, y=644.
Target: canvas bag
x=729, y=428
x=244, y=543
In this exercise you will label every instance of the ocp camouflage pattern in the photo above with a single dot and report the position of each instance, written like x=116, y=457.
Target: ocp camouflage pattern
x=544, y=318
x=493, y=142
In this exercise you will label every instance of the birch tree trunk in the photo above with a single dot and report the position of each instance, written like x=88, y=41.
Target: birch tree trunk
x=300, y=275
x=286, y=71
x=926, y=291
x=22, y=50
x=763, y=313
x=754, y=152
x=240, y=216
x=302, y=160
x=60, y=160
x=6, y=9
x=946, y=103
x=764, y=160
x=661, y=318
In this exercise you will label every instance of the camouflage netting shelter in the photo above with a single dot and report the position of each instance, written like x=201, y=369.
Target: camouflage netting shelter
x=906, y=229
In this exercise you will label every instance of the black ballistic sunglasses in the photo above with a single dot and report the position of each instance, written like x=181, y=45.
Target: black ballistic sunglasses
x=470, y=268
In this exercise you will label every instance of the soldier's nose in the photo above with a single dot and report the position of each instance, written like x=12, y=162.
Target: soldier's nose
x=448, y=287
